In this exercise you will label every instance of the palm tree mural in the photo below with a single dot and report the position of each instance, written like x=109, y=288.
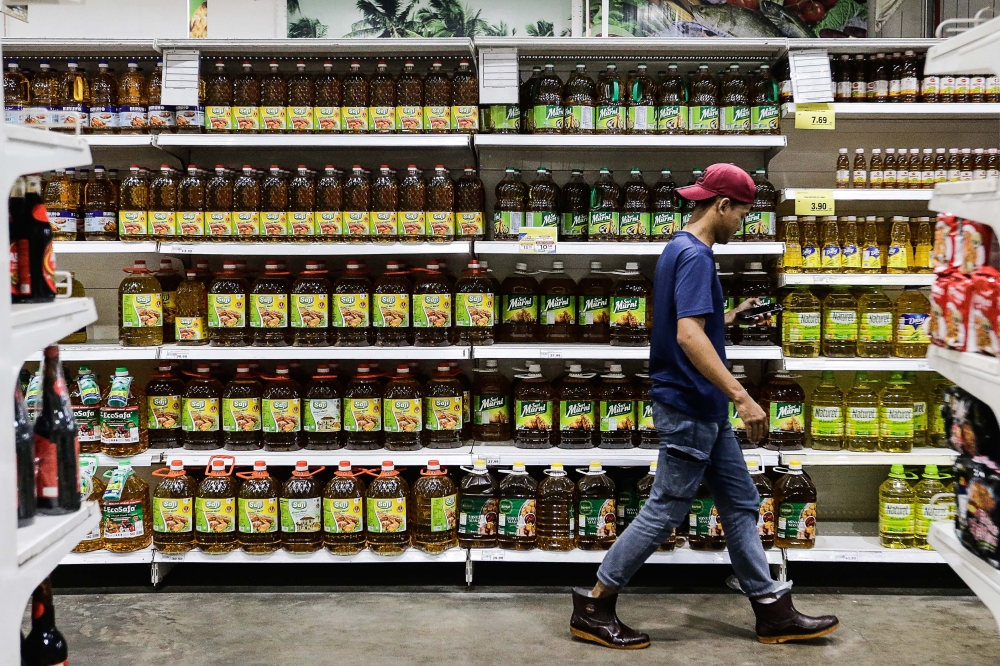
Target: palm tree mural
x=449, y=18
x=501, y=29
x=293, y=7
x=540, y=29
x=306, y=27
x=385, y=18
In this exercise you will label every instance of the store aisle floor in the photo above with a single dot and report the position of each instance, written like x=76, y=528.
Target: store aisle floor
x=483, y=628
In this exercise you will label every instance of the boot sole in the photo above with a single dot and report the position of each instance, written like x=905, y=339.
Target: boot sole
x=774, y=640
x=601, y=641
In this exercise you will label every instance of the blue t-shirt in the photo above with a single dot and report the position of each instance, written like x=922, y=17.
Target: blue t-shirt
x=686, y=285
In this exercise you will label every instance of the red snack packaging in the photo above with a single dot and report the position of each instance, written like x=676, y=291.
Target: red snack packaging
x=984, y=311
x=944, y=239
x=956, y=314
x=977, y=247
x=939, y=299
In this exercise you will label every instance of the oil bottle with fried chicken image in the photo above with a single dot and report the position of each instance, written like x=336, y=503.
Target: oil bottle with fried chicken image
x=173, y=509
x=257, y=506
x=443, y=410
x=434, y=510
x=363, y=411
x=385, y=504
x=534, y=411
x=241, y=415
x=577, y=409
x=215, y=507
x=402, y=407
x=281, y=410
x=201, y=413
x=344, y=511
x=163, y=410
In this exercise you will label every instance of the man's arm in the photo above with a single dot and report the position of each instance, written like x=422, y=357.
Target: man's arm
x=699, y=350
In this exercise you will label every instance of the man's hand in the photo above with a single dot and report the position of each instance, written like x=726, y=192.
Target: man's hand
x=755, y=420
x=745, y=305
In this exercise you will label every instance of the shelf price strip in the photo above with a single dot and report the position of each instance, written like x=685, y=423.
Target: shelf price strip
x=814, y=202
x=815, y=117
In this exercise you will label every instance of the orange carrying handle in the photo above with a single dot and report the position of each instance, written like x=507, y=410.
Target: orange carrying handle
x=230, y=459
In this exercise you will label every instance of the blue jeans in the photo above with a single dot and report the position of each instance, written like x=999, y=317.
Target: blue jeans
x=690, y=450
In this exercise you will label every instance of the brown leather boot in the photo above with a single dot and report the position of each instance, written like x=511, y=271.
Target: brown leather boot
x=779, y=622
x=594, y=619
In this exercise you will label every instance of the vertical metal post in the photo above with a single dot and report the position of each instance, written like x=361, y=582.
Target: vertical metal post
x=576, y=19
x=605, y=8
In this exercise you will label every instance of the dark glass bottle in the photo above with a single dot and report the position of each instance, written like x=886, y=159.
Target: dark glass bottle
x=57, y=480
x=45, y=645
x=24, y=448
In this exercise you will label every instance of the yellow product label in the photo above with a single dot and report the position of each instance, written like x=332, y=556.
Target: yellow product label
x=810, y=257
x=412, y=223
x=302, y=223
x=142, y=310
x=163, y=412
x=362, y=414
x=163, y=223
x=470, y=224
x=191, y=223
x=218, y=118
x=258, y=516
x=200, y=414
x=310, y=311
x=169, y=307
x=814, y=202
x=440, y=224
x=299, y=118
x=275, y=223
x=382, y=118
x=391, y=310
x=329, y=223
x=220, y=223
x=343, y=516
x=227, y=311
x=132, y=223
x=402, y=415
x=409, y=118
x=190, y=328
x=247, y=223
x=172, y=515
x=465, y=118
x=272, y=118
x=897, y=257
x=815, y=117
x=354, y=118
x=386, y=515
x=351, y=311
x=215, y=514
x=281, y=415
x=443, y=413
x=268, y=311
x=326, y=118
x=437, y=118
x=358, y=223
x=384, y=223
x=246, y=118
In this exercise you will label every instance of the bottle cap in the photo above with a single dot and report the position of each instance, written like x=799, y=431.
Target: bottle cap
x=752, y=466
x=281, y=370
x=518, y=466
x=520, y=266
x=176, y=465
x=479, y=465
x=534, y=368
x=387, y=466
x=259, y=465
x=930, y=471
x=576, y=368
x=795, y=465
x=595, y=467
x=345, y=466
x=632, y=266
x=652, y=467
x=897, y=472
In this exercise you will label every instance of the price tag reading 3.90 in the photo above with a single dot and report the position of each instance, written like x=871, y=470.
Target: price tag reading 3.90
x=814, y=202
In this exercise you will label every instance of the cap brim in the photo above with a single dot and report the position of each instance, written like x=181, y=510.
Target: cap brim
x=695, y=193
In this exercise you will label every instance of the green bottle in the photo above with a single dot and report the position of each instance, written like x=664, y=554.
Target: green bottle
x=895, y=416
x=826, y=424
x=861, y=415
x=896, y=501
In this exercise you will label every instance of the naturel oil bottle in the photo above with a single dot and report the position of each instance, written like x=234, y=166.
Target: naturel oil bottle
x=258, y=511
x=932, y=502
x=861, y=413
x=840, y=325
x=896, y=521
x=876, y=325
x=801, y=324
x=140, y=308
x=826, y=425
x=896, y=416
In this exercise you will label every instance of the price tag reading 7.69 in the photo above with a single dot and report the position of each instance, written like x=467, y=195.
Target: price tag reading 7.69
x=814, y=202
x=815, y=117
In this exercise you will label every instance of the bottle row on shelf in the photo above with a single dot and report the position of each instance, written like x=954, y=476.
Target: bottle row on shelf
x=921, y=170
x=900, y=77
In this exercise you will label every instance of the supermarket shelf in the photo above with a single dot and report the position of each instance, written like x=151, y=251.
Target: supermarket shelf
x=119, y=140
x=208, y=352
x=859, y=549
x=144, y=556
x=49, y=534
x=971, y=52
x=977, y=574
x=857, y=279
x=322, y=141
x=29, y=150
x=106, y=351
x=315, y=249
x=870, y=364
x=624, y=249
x=977, y=200
x=545, y=350
x=36, y=325
x=849, y=194
x=324, y=48
x=682, y=555
x=631, y=141
x=658, y=48
x=459, y=456
x=103, y=247
x=919, y=456
x=145, y=459
x=914, y=111
x=976, y=373
x=409, y=556
x=867, y=45
x=506, y=454
x=78, y=47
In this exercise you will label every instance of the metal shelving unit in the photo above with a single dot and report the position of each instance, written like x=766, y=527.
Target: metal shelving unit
x=597, y=249
x=914, y=111
x=919, y=456
x=857, y=279
x=870, y=364
x=851, y=194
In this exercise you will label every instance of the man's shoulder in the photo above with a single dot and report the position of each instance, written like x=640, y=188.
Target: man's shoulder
x=686, y=244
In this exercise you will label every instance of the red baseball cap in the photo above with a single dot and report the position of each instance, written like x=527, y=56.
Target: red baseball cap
x=725, y=180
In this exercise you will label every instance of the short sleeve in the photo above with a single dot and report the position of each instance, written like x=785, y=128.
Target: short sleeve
x=693, y=284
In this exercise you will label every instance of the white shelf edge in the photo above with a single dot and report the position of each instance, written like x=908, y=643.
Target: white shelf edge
x=324, y=141
x=857, y=279
x=912, y=111
x=971, y=52
x=322, y=556
x=846, y=364
x=861, y=549
x=507, y=454
x=976, y=200
x=573, y=351
x=635, y=141
x=103, y=247
x=976, y=373
x=144, y=556
x=314, y=249
x=682, y=555
x=208, y=352
x=29, y=150
x=653, y=248
x=919, y=456
x=459, y=456
x=983, y=579
x=50, y=533
x=850, y=194
x=36, y=325
x=108, y=351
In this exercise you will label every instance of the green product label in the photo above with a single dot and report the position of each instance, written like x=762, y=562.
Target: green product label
x=440, y=223
x=840, y=325
x=594, y=309
x=220, y=223
x=299, y=118
x=310, y=310
x=911, y=329
x=268, y=311
x=354, y=118
x=437, y=118
x=579, y=117
x=362, y=414
x=558, y=309
x=664, y=224
x=273, y=118
x=88, y=423
x=444, y=516
x=432, y=311
x=800, y=326
x=227, y=311
x=351, y=311
x=634, y=225
x=470, y=223
x=123, y=519
x=895, y=421
x=596, y=518
x=246, y=118
x=302, y=223
x=248, y=223
x=540, y=219
x=505, y=117
x=163, y=412
x=191, y=223
x=326, y=118
x=465, y=118
x=402, y=415
x=391, y=310
x=735, y=420
x=895, y=518
x=573, y=225
x=385, y=223
x=240, y=414
x=382, y=118
x=282, y=415
x=617, y=415
x=275, y=223
x=603, y=223
x=919, y=416
x=703, y=118
x=119, y=425
x=610, y=118
x=90, y=392
x=519, y=309
x=412, y=223
x=301, y=514
x=645, y=410
x=827, y=421
x=549, y=117
x=357, y=223
x=191, y=328
x=132, y=223
x=200, y=414
x=218, y=118
x=704, y=520
x=507, y=222
x=477, y=516
x=517, y=517
x=641, y=118
x=329, y=222
x=142, y=310
x=215, y=515
x=929, y=513
x=862, y=422
x=671, y=118
x=410, y=118
x=163, y=222
x=797, y=520
x=787, y=417
x=321, y=415
x=628, y=311
x=764, y=118
x=736, y=119
x=533, y=414
x=758, y=222
x=474, y=309
x=628, y=508
x=577, y=415
x=876, y=327
x=386, y=515
x=258, y=516
x=443, y=413
x=491, y=410
x=343, y=516
x=172, y=515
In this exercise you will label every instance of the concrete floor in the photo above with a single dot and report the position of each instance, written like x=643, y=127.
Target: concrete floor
x=486, y=628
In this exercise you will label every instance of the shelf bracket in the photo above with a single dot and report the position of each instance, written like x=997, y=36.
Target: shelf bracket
x=159, y=571
x=468, y=568
x=783, y=567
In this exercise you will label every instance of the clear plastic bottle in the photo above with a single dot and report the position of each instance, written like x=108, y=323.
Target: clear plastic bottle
x=875, y=312
x=386, y=509
x=478, y=506
x=363, y=411
x=391, y=306
x=861, y=429
x=556, y=510
x=578, y=98
x=534, y=413
x=900, y=249
x=123, y=416
x=896, y=416
x=351, y=307
x=617, y=410
x=795, y=499
x=491, y=398
x=557, y=306
x=344, y=512
x=826, y=423
x=269, y=297
x=300, y=511
x=443, y=410
x=631, y=309
x=474, y=307
x=433, y=518
x=896, y=503
x=911, y=313
x=258, y=511
x=432, y=308
x=215, y=507
x=281, y=409
x=596, y=513
x=241, y=415
x=200, y=411
x=85, y=400
x=577, y=410
x=227, y=308
x=173, y=509
x=125, y=511
x=322, y=419
x=605, y=208
x=932, y=503
x=402, y=411
x=766, y=523
x=517, y=525
x=309, y=306
x=840, y=324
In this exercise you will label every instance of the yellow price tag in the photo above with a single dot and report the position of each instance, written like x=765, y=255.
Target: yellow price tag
x=815, y=117
x=537, y=240
x=814, y=202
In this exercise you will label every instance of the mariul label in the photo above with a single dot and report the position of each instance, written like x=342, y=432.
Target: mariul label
x=533, y=414
x=703, y=118
x=558, y=309
x=628, y=311
x=787, y=417
x=577, y=415
x=594, y=309
x=491, y=410
x=617, y=415
x=519, y=309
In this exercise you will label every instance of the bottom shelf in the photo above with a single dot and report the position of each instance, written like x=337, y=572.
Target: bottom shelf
x=857, y=542
x=684, y=555
x=983, y=579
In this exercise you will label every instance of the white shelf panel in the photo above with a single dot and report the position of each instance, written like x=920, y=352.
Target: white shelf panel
x=859, y=549
x=344, y=48
x=144, y=556
x=145, y=459
x=36, y=325
x=322, y=556
x=630, y=141
x=857, y=279
x=683, y=555
x=871, y=364
x=118, y=140
x=976, y=373
x=208, y=352
x=975, y=51
x=104, y=247
x=913, y=111
x=596, y=249
x=30, y=150
x=315, y=249
x=976, y=200
x=459, y=456
x=977, y=574
x=847, y=194
x=106, y=351
x=49, y=534
x=637, y=48
x=919, y=456
x=507, y=454
x=545, y=350
x=317, y=141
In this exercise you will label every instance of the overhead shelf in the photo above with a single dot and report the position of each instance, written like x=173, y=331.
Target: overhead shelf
x=119, y=140
x=919, y=456
x=318, y=141
x=599, y=249
x=29, y=150
x=983, y=579
x=632, y=141
x=495, y=453
x=105, y=557
x=851, y=194
x=322, y=556
x=857, y=279
x=459, y=456
x=79, y=47
x=638, y=48
x=104, y=247
x=870, y=364
x=291, y=249
x=976, y=373
x=913, y=111
x=571, y=351
x=43, y=544
x=976, y=200
x=975, y=51
x=325, y=48
x=208, y=352
x=102, y=351
x=682, y=555
x=37, y=325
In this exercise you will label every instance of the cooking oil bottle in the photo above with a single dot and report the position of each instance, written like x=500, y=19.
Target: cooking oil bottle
x=388, y=531
x=281, y=407
x=811, y=257
x=140, y=308
x=363, y=411
x=826, y=428
x=126, y=511
x=534, y=415
x=896, y=416
x=519, y=306
x=832, y=260
x=786, y=404
x=791, y=261
x=557, y=306
x=434, y=510
x=301, y=512
x=617, y=410
x=322, y=419
x=577, y=409
x=795, y=499
x=643, y=489
x=475, y=316
x=402, y=417
x=896, y=501
x=258, y=511
x=765, y=512
x=932, y=502
x=215, y=507
x=920, y=409
x=631, y=309
x=344, y=512
x=351, y=307
x=391, y=306
x=163, y=204
x=911, y=313
x=133, y=223
x=269, y=307
x=443, y=413
x=861, y=430
x=705, y=531
x=478, y=504
x=173, y=509
x=801, y=324
x=491, y=404
x=647, y=438
x=241, y=421
x=518, y=516
x=849, y=249
x=85, y=401
x=92, y=489
x=898, y=259
x=309, y=306
x=840, y=324
x=227, y=311
x=596, y=515
x=556, y=510
x=200, y=411
x=876, y=325
x=123, y=416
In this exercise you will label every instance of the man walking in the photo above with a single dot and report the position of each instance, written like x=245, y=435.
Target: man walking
x=691, y=392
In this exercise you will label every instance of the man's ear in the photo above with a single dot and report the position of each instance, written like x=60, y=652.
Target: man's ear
x=723, y=204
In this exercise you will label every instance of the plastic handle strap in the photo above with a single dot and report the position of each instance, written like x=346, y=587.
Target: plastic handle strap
x=350, y=473
x=308, y=473
x=441, y=471
x=551, y=471
x=380, y=472
x=231, y=463
x=254, y=474
x=168, y=473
